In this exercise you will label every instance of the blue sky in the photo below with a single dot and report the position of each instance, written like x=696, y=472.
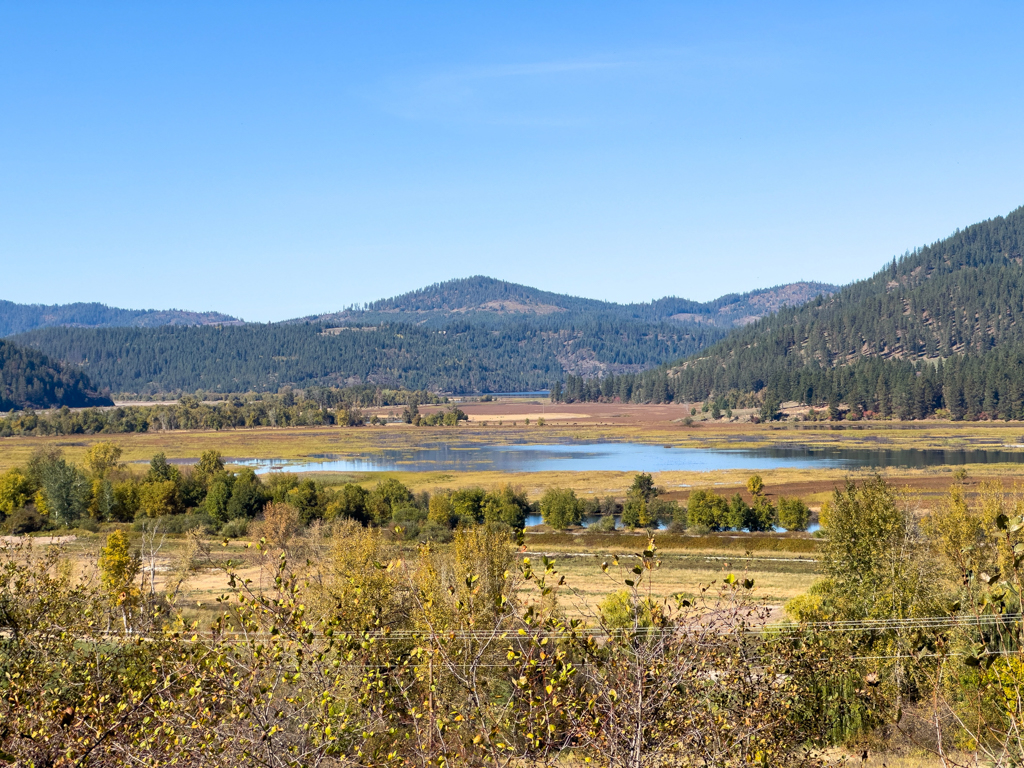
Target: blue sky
x=273, y=160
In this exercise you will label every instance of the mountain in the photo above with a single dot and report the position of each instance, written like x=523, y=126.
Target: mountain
x=942, y=327
x=28, y=379
x=464, y=357
x=19, y=318
x=485, y=299
x=470, y=335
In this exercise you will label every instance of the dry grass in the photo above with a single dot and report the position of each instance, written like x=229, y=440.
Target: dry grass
x=774, y=582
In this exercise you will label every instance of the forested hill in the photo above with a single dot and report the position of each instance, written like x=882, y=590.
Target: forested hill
x=484, y=299
x=28, y=379
x=465, y=336
x=951, y=313
x=19, y=318
x=461, y=357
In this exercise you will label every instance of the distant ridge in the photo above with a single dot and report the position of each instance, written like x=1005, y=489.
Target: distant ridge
x=476, y=334
x=489, y=299
x=20, y=318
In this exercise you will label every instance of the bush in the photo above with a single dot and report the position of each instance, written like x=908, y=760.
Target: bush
x=678, y=525
x=25, y=520
x=279, y=525
x=606, y=524
x=431, y=531
x=235, y=528
x=177, y=524
x=88, y=524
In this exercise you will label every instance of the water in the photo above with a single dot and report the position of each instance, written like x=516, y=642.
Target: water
x=623, y=457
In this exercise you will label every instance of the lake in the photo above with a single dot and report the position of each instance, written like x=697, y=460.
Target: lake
x=622, y=457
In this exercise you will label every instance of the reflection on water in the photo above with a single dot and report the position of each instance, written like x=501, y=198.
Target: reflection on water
x=588, y=521
x=623, y=457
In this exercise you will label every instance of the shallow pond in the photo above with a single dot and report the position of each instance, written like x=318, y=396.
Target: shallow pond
x=622, y=457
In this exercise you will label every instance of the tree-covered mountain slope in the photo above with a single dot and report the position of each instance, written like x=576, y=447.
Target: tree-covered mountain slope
x=468, y=335
x=19, y=318
x=963, y=294
x=462, y=357
x=28, y=379
x=484, y=299
x=942, y=327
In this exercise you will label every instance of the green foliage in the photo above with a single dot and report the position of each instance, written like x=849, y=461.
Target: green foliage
x=643, y=484
x=769, y=410
x=210, y=466
x=158, y=498
x=16, y=490
x=313, y=406
x=408, y=354
x=708, y=510
x=349, y=502
x=386, y=497
x=619, y=611
x=755, y=485
x=449, y=417
x=119, y=567
x=18, y=318
x=793, y=514
x=102, y=458
x=560, y=508
x=506, y=505
x=248, y=496
x=636, y=512
x=468, y=504
x=65, y=490
x=235, y=528
x=25, y=520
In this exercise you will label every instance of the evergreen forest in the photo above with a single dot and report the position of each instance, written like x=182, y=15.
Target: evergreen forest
x=937, y=329
x=19, y=318
x=29, y=379
x=461, y=357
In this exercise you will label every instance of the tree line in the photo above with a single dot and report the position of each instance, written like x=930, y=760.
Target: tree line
x=313, y=406
x=51, y=492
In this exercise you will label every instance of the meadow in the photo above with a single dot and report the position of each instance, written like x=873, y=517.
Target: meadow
x=779, y=566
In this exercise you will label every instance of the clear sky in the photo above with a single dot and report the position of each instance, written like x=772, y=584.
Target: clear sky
x=273, y=160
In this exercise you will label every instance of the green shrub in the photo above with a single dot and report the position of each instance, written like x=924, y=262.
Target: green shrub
x=235, y=528
x=431, y=531
x=708, y=510
x=25, y=520
x=560, y=508
x=178, y=524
